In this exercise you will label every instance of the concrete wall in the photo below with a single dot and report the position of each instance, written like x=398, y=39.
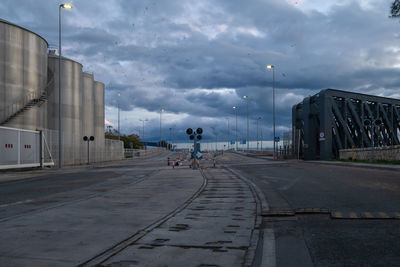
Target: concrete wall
x=380, y=153
x=111, y=150
x=131, y=153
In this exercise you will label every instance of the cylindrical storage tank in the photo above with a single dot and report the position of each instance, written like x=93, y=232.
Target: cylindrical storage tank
x=23, y=77
x=98, y=97
x=87, y=94
x=71, y=84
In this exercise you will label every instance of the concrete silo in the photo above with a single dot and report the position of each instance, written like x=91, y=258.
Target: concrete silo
x=98, y=97
x=23, y=77
x=87, y=95
x=71, y=108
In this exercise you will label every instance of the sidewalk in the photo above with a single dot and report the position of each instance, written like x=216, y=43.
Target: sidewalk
x=356, y=164
x=69, y=234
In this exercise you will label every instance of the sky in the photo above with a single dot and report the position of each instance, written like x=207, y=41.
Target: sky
x=197, y=59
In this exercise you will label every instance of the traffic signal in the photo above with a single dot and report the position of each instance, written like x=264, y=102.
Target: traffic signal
x=191, y=137
x=199, y=131
x=198, y=137
x=189, y=131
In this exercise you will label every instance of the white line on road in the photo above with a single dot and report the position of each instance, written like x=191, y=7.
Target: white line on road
x=16, y=203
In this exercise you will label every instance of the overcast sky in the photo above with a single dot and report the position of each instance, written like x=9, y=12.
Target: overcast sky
x=196, y=59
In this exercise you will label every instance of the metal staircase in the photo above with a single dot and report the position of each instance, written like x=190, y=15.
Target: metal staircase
x=30, y=100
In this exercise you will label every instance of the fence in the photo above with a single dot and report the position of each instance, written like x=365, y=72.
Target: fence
x=23, y=148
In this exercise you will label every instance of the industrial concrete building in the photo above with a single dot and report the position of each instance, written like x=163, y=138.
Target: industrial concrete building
x=334, y=120
x=29, y=99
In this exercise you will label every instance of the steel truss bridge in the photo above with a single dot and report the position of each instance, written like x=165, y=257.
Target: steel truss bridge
x=333, y=119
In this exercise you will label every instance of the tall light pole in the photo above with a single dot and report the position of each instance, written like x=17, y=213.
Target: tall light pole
x=235, y=109
x=161, y=111
x=229, y=134
x=143, y=121
x=66, y=6
x=273, y=100
x=119, y=132
x=170, y=136
x=259, y=118
x=245, y=97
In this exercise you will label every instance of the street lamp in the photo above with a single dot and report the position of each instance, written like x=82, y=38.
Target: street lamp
x=143, y=121
x=235, y=109
x=245, y=97
x=66, y=6
x=259, y=118
x=229, y=134
x=161, y=111
x=119, y=133
x=273, y=100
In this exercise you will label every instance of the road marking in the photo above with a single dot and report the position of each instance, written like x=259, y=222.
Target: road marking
x=337, y=214
x=16, y=203
x=353, y=215
x=397, y=214
x=383, y=215
x=368, y=215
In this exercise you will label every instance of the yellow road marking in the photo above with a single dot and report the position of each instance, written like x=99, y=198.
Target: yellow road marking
x=16, y=203
x=368, y=215
x=383, y=215
x=337, y=214
x=353, y=215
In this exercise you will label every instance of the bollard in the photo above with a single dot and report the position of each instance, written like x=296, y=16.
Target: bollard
x=214, y=163
x=168, y=161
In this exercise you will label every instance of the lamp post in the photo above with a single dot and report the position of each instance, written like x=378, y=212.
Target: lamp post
x=170, y=137
x=119, y=132
x=161, y=111
x=229, y=134
x=259, y=118
x=245, y=97
x=143, y=121
x=273, y=100
x=66, y=6
x=235, y=109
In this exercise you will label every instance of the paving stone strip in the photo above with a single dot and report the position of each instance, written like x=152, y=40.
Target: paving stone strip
x=215, y=229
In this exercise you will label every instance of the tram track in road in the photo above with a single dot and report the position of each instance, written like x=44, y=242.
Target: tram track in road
x=217, y=225
x=116, y=248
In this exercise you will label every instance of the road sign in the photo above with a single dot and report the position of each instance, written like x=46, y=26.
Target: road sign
x=277, y=139
x=321, y=136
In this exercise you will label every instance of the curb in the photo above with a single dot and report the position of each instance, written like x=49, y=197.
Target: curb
x=359, y=165
x=261, y=238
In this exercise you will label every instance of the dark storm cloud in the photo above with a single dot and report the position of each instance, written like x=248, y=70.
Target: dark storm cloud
x=198, y=59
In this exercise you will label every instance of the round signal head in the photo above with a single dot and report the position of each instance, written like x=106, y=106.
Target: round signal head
x=189, y=131
x=199, y=131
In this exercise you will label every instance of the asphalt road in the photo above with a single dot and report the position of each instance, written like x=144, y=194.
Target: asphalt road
x=22, y=192
x=318, y=239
